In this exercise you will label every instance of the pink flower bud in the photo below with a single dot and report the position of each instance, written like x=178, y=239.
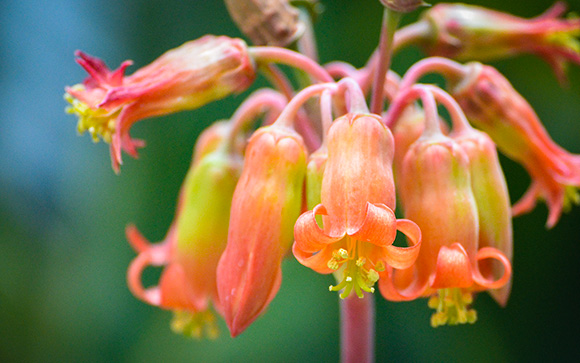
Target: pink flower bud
x=192, y=75
x=493, y=105
x=466, y=32
x=266, y=203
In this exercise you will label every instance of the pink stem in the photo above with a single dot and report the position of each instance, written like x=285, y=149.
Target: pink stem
x=357, y=329
x=254, y=105
x=325, y=113
x=407, y=35
x=290, y=58
x=307, y=42
x=356, y=98
x=303, y=125
x=390, y=21
x=460, y=123
x=409, y=95
x=448, y=68
x=289, y=113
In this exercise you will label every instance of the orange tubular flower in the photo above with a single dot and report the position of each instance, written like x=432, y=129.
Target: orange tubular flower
x=192, y=75
x=193, y=245
x=466, y=32
x=493, y=105
x=266, y=202
x=437, y=194
x=358, y=198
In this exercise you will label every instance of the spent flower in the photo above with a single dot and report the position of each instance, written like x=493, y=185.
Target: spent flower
x=108, y=103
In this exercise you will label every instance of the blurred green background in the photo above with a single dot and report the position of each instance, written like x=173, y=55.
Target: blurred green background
x=63, y=254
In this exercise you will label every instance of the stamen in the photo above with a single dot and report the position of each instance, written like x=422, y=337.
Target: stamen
x=355, y=275
x=99, y=123
x=452, y=308
x=195, y=325
x=571, y=198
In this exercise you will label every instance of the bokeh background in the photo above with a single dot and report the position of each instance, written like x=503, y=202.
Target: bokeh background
x=63, y=254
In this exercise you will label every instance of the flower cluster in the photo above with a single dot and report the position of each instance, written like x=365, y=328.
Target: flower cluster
x=320, y=177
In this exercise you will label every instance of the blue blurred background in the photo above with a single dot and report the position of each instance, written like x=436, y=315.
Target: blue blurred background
x=63, y=254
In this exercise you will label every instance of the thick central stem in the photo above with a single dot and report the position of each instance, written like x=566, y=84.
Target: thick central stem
x=357, y=329
x=390, y=22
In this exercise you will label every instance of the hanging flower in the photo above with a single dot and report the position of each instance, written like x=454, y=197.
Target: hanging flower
x=358, y=198
x=493, y=105
x=436, y=193
x=266, y=202
x=108, y=103
x=467, y=32
x=193, y=245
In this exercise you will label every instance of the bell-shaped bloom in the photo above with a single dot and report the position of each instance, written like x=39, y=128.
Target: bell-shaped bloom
x=493, y=204
x=266, y=203
x=192, y=247
x=407, y=130
x=267, y=22
x=108, y=103
x=466, y=32
x=436, y=193
x=358, y=198
x=493, y=105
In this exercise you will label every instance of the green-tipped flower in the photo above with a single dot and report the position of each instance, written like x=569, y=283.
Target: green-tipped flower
x=466, y=32
x=193, y=246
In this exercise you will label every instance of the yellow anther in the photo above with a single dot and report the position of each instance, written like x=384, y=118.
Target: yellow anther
x=333, y=264
x=380, y=266
x=343, y=253
x=361, y=262
x=452, y=308
x=373, y=276
x=98, y=122
x=195, y=325
x=433, y=302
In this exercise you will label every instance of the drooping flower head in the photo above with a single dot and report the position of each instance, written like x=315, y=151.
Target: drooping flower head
x=193, y=245
x=108, y=103
x=436, y=193
x=493, y=105
x=358, y=198
x=266, y=202
x=467, y=32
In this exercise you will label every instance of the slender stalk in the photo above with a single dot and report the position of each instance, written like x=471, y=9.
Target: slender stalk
x=307, y=42
x=303, y=124
x=390, y=22
x=357, y=329
x=290, y=58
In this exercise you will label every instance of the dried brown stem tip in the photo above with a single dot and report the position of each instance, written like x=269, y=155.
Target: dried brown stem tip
x=403, y=6
x=266, y=22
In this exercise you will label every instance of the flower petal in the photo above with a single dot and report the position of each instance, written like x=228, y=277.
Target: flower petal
x=152, y=295
x=310, y=238
x=492, y=253
x=318, y=261
x=453, y=268
x=378, y=226
x=405, y=257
